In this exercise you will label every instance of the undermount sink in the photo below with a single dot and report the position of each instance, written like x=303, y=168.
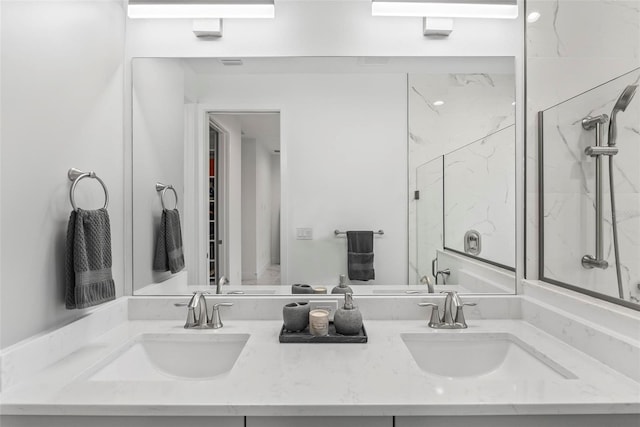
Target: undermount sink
x=496, y=356
x=170, y=357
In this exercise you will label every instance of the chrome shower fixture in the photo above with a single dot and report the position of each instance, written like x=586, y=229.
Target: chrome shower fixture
x=621, y=104
x=597, y=151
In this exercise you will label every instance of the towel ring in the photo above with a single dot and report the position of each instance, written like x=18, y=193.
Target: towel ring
x=76, y=175
x=164, y=187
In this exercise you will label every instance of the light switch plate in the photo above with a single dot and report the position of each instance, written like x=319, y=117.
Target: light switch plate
x=330, y=305
x=304, y=233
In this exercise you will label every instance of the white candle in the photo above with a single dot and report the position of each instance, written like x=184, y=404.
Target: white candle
x=319, y=322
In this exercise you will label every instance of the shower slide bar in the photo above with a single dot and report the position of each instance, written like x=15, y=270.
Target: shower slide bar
x=597, y=151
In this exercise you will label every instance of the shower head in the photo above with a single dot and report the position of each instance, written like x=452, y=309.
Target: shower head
x=621, y=104
x=625, y=98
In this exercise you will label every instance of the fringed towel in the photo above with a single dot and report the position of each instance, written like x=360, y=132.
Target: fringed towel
x=88, y=259
x=169, y=255
x=360, y=255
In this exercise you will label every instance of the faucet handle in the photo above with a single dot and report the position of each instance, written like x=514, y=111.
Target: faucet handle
x=191, y=314
x=216, y=321
x=460, y=314
x=435, y=313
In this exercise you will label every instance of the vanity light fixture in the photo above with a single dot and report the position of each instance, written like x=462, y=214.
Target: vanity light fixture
x=201, y=9
x=500, y=9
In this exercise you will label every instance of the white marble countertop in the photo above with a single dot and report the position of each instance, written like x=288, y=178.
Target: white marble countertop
x=377, y=378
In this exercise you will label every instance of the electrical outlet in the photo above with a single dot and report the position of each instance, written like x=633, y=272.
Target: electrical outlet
x=330, y=305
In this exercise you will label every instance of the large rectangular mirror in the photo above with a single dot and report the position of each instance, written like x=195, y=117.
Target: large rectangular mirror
x=270, y=157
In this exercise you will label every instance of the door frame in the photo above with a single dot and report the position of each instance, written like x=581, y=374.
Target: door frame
x=204, y=121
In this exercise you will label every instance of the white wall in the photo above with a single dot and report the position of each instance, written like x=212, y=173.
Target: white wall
x=62, y=107
x=158, y=154
x=573, y=47
x=344, y=154
x=263, y=208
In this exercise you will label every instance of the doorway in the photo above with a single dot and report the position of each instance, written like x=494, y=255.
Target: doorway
x=247, y=192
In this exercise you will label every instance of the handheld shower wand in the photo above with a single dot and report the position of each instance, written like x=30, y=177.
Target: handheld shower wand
x=621, y=105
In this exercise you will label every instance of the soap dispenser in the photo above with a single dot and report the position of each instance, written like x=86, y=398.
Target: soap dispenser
x=342, y=288
x=348, y=319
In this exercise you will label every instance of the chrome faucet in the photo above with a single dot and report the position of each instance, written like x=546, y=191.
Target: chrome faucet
x=444, y=273
x=453, y=314
x=198, y=314
x=426, y=280
x=223, y=281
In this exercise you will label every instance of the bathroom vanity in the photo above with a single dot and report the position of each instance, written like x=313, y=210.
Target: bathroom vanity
x=510, y=367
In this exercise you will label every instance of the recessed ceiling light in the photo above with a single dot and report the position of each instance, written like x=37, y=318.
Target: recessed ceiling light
x=438, y=103
x=533, y=17
x=513, y=103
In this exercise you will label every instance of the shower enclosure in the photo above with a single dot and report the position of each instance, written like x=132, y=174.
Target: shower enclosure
x=590, y=192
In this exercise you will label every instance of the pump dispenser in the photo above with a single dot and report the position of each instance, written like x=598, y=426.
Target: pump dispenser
x=348, y=319
x=342, y=288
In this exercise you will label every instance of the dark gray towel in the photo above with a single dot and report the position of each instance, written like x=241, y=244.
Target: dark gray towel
x=169, y=254
x=88, y=259
x=360, y=255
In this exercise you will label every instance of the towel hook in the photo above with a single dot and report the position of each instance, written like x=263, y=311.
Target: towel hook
x=164, y=187
x=76, y=175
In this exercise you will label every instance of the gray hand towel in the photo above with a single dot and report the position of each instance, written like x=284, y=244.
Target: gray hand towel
x=169, y=255
x=360, y=255
x=88, y=275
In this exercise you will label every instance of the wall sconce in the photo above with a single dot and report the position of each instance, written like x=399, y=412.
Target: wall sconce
x=201, y=9
x=501, y=9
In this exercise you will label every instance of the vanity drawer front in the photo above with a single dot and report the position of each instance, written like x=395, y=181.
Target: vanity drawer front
x=319, y=421
x=597, y=420
x=97, y=421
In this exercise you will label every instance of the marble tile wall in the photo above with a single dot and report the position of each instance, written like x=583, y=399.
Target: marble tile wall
x=569, y=192
x=574, y=46
x=479, y=188
x=475, y=105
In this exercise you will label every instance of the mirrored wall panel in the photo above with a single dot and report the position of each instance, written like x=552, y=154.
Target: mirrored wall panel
x=590, y=197
x=265, y=164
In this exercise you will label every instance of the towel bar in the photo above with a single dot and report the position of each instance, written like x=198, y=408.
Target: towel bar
x=338, y=232
x=76, y=175
x=164, y=187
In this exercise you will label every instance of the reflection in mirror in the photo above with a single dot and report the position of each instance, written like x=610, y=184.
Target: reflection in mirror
x=462, y=160
x=350, y=132
x=479, y=222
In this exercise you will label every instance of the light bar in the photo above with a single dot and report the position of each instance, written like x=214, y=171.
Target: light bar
x=200, y=9
x=499, y=9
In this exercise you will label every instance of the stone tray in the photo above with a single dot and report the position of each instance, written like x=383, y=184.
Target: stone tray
x=333, y=337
